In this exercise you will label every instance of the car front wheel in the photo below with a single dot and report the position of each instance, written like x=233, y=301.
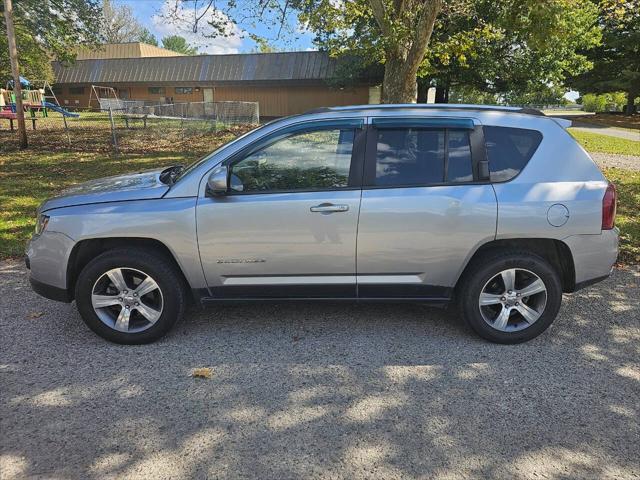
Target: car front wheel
x=130, y=296
x=510, y=297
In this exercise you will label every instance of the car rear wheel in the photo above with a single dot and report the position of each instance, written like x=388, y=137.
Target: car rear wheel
x=130, y=296
x=510, y=297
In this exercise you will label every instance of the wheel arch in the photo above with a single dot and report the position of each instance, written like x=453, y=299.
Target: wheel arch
x=555, y=252
x=85, y=250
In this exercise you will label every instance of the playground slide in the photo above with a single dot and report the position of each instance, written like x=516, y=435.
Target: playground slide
x=57, y=108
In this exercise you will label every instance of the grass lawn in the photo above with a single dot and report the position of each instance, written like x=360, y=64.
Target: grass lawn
x=595, y=142
x=28, y=177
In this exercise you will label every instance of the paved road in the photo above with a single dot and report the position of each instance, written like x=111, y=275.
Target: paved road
x=322, y=391
x=609, y=131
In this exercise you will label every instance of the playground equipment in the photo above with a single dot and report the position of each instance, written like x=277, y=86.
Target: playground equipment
x=107, y=98
x=33, y=100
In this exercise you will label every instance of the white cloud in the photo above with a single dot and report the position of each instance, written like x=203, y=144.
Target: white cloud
x=182, y=24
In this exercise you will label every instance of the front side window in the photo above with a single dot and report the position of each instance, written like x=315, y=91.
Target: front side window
x=76, y=90
x=415, y=156
x=509, y=150
x=184, y=90
x=156, y=90
x=311, y=160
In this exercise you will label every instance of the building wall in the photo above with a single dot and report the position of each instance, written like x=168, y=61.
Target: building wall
x=274, y=101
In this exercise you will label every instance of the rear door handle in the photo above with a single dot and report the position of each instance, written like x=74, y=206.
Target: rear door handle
x=329, y=208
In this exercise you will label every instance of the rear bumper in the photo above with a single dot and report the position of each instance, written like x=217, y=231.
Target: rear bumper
x=593, y=256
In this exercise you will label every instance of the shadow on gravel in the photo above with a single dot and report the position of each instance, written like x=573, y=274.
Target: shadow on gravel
x=322, y=390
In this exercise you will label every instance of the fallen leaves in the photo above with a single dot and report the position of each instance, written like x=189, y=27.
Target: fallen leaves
x=203, y=372
x=33, y=315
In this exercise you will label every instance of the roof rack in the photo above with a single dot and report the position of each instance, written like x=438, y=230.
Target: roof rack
x=430, y=106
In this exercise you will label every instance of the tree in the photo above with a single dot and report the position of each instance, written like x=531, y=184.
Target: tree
x=616, y=62
x=35, y=63
x=45, y=30
x=147, y=37
x=517, y=49
x=119, y=24
x=178, y=44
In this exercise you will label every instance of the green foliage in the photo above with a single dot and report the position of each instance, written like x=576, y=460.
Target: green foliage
x=616, y=62
x=594, y=103
x=512, y=47
x=47, y=29
x=34, y=61
x=147, y=37
x=178, y=44
x=466, y=94
x=606, y=102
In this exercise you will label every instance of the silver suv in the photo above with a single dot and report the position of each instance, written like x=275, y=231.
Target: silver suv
x=497, y=208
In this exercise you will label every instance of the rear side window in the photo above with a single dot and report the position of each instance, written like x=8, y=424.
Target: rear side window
x=509, y=150
x=413, y=156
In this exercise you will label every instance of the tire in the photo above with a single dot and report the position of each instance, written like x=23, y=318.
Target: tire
x=485, y=276
x=127, y=318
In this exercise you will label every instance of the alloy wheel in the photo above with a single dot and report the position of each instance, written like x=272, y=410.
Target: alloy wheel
x=127, y=300
x=513, y=300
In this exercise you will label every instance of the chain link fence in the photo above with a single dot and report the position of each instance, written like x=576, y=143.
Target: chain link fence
x=136, y=127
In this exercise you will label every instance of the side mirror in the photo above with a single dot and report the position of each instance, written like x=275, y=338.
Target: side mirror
x=218, y=183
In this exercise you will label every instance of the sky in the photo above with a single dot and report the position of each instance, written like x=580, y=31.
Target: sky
x=149, y=14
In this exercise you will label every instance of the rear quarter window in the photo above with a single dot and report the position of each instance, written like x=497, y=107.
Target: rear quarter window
x=509, y=150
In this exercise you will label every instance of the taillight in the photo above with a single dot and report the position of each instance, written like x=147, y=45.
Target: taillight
x=609, y=207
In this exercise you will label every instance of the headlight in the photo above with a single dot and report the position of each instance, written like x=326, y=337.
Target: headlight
x=41, y=224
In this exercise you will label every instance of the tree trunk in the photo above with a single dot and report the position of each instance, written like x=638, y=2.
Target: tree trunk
x=630, y=108
x=423, y=90
x=400, y=82
x=442, y=94
x=15, y=72
x=404, y=53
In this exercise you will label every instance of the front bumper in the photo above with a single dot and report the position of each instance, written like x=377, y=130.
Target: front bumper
x=47, y=257
x=50, y=292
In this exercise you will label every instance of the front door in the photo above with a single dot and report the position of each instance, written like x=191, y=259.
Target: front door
x=287, y=227
x=424, y=208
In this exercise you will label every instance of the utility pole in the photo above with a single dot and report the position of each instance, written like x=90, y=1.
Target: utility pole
x=15, y=71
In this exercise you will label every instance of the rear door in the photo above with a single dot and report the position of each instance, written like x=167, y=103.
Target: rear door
x=425, y=207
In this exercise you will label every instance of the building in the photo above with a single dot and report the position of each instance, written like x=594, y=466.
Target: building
x=125, y=50
x=282, y=83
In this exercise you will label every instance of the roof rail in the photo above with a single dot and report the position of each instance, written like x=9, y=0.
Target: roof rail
x=429, y=106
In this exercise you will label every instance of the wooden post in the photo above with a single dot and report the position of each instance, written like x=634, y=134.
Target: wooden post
x=15, y=71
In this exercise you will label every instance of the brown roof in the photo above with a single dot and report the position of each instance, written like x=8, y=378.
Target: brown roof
x=125, y=50
x=221, y=69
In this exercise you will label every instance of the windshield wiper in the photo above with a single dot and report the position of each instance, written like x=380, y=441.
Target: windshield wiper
x=169, y=175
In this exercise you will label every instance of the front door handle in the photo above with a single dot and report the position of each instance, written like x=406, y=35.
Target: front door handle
x=329, y=208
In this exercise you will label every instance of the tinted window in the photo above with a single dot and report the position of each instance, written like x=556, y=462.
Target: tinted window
x=408, y=156
x=305, y=161
x=459, y=167
x=509, y=150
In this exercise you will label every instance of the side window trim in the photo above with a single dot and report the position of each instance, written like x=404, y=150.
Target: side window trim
x=476, y=143
x=357, y=151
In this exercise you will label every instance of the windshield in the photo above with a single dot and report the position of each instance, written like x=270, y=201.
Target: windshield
x=185, y=171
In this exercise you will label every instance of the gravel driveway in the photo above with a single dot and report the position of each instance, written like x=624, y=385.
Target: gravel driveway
x=321, y=391
x=607, y=160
